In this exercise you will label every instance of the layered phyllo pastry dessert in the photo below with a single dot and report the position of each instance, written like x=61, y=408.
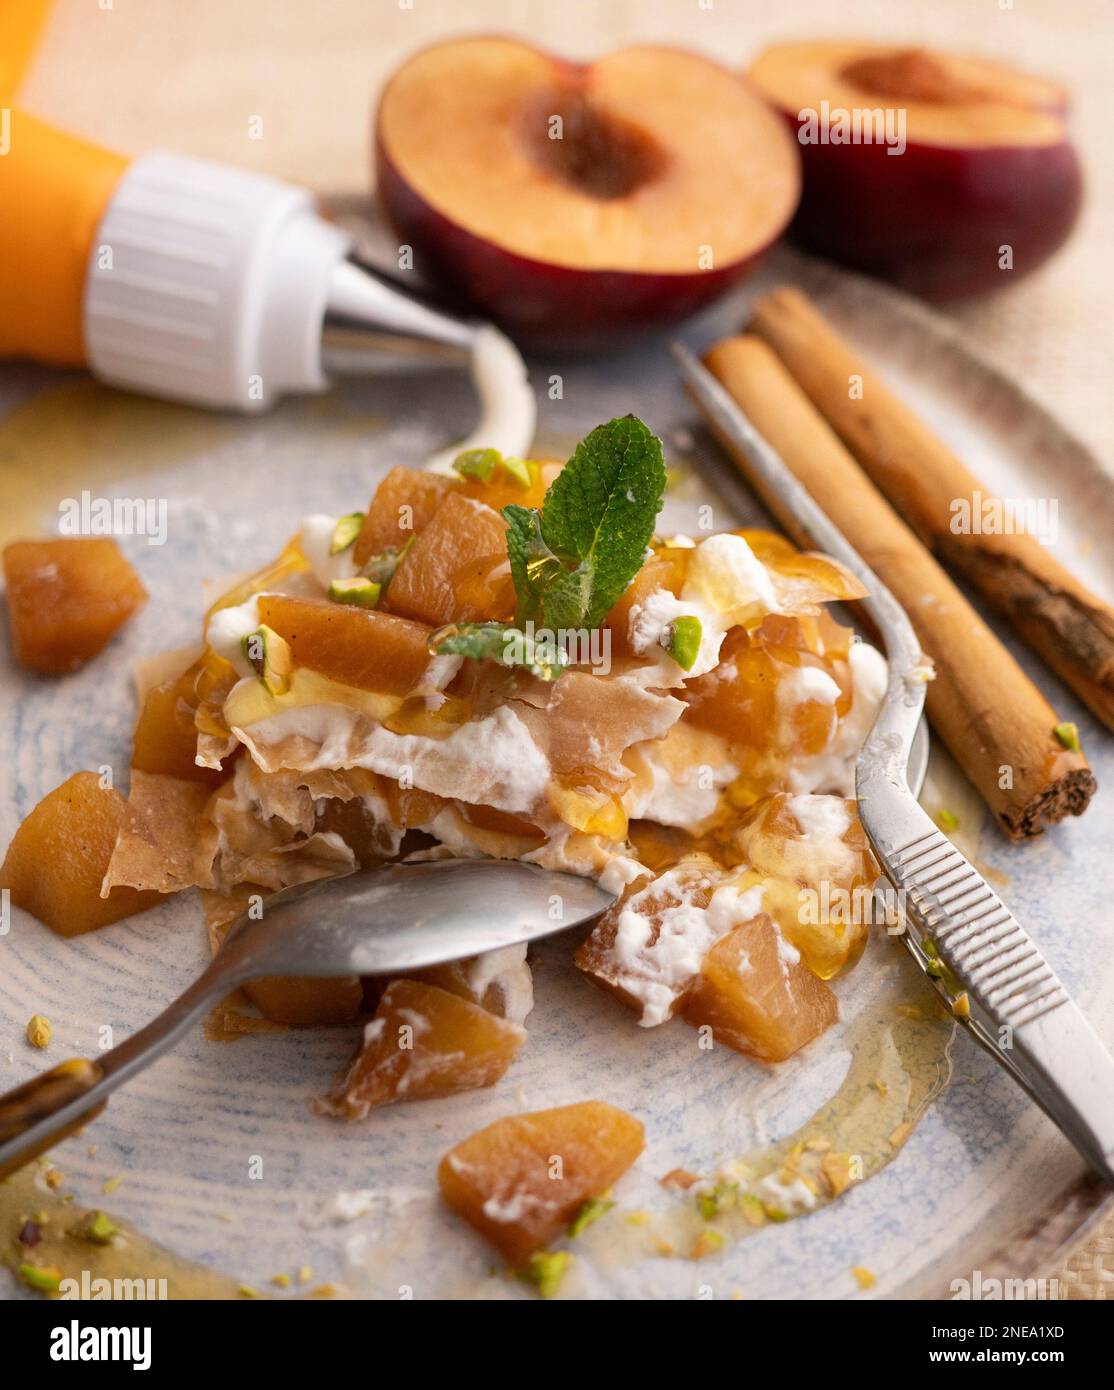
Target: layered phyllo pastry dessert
x=507, y=659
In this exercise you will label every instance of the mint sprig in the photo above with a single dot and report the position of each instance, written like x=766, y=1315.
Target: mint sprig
x=500, y=642
x=571, y=561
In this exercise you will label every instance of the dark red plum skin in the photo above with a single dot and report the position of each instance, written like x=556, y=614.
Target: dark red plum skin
x=546, y=306
x=932, y=220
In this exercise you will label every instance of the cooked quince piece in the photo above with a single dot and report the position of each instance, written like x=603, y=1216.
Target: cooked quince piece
x=499, y=981
x=739, y=698
x=665, y=569
x=361, y=647
x=59, y=855
x=403, y=505
x=425, y=1042
x=521, y=1181
x=756, y=995
x=457, y=569
x=819, y=871
x=646, y=948
x=306, y=1003
x=166, y=733
x=66, y=598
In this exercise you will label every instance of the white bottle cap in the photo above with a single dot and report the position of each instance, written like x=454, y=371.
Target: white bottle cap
x=208, y=284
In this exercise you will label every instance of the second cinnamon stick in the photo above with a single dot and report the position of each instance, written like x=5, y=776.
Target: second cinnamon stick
x=1071, y=628
x=994, y=720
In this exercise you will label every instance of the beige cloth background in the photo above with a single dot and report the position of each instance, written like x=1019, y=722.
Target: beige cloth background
x=198, y=75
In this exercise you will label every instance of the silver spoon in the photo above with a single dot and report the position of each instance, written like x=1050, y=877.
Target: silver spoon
x=386, y=922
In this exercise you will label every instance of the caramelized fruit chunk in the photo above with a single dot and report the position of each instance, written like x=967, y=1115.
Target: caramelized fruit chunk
x=59, y=855
x=522, y=1180
x=818, y=871
x=647, y=948
x=307, y=1003
x=425, y=1042
x=356, y=646
x=166, y=733
x=457, y=569
x=403, y=505
x=756, y=996
x=66, y=598
x=665, y=569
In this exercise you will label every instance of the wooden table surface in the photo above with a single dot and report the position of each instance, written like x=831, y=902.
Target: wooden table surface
x=140, y=74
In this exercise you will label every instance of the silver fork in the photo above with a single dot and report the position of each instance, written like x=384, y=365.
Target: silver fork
x=1010, y=999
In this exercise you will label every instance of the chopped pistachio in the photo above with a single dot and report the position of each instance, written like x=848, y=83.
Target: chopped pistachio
x=517, y=471
x=97, y=1228
x=380, y=569
x=683, y=640
x=324, y=1291
x=713, y=1200
x=1068, y=735
x=637, y=1218
x=947, y=821
x=546, y=1269
x=305, y=1274
x=345, y=532
x=774, y=1213
x=39, y=1031
x=930, y=948
x=866, y=1277
x=836, y=1169
x=754, y=1213
x=269, y=657
x=935, y=969
x=111, y=1184
x=363, y=593
x=478, y=463
x=45, y=1278
x=246, y=1291
x=707, y=1243
x=591, y=1211
x=282, y=1281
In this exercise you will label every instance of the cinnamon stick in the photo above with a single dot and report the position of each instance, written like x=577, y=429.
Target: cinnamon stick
x=1068, y=626
x=996, y=723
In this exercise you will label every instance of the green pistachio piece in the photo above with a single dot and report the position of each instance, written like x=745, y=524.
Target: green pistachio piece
x=517, y=471
x=946, y=820
x=45, y=1278
x=269, y=657
x=684, y=641
x=478, y=463
x=345, y=532
x=361, y=592
x=546, y=1269
x=1068, y=735
x=591, y=1211
x=97, y=1228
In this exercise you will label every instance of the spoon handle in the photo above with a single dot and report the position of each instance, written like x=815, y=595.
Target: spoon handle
x=40, y=1112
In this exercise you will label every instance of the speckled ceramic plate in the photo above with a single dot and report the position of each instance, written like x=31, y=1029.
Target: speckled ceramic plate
x=220, y=1156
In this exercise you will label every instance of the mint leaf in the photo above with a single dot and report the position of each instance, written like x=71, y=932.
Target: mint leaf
x=533, y=565
x=500, y=642
x=600, y=511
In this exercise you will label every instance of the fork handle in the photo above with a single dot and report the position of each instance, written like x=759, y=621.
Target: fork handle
x=1025, y=1017
x=40, y=1112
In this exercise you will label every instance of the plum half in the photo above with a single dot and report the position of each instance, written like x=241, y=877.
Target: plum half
x=577, y=205
x=987, y=184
